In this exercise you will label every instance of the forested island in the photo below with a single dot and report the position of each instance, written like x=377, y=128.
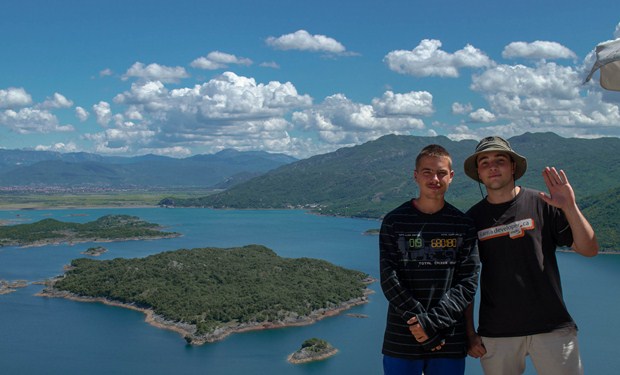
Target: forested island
x=208, y=293
x=312, y=350
x=105, y=229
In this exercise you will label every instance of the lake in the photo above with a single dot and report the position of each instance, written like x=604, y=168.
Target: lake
x=56, y=336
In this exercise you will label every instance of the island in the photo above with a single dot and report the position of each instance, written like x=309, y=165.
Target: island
x=7, y=287
x=95, y=251
x=312, y=350
x=105, y=229
x=206, y=294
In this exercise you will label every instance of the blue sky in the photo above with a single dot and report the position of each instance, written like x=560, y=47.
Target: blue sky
x=180, y=78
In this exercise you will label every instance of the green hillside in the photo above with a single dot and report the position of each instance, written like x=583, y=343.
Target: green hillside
x=371, y=179
x=106, y=228
x=603, y=211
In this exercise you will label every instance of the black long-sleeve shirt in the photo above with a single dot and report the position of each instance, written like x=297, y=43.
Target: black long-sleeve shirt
x=429, y=269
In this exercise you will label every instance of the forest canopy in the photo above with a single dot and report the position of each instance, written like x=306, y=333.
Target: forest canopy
x=215, y=287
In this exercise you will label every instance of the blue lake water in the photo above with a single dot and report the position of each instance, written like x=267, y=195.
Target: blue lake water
x=56, y=336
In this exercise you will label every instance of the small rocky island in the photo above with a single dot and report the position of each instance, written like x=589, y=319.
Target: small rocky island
x=105, y=229
x=206, y=294
x=95, y=251
x=7, y=287
x=312, y=350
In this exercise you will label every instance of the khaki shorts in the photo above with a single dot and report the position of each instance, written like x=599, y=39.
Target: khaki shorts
x=553, y=353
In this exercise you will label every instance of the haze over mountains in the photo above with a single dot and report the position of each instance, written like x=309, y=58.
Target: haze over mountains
x=220, y=170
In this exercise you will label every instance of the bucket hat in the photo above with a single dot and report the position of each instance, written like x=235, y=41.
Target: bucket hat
x=494, y=143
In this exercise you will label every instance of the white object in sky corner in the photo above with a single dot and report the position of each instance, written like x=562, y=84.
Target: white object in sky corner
x=608, y=61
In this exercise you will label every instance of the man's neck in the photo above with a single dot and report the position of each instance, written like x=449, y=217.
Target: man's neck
x=502, y=195
x=428, y=206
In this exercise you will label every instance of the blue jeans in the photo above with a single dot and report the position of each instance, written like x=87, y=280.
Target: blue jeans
x=434, y=366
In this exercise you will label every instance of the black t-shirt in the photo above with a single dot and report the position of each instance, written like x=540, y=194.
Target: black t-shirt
x=520, y=287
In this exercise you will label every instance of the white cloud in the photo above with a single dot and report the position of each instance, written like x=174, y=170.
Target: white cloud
x=58, y=147
x=32, y=120
x=81, y=114
x=57, y=101
x=339, y=121
x=617, y=31
x=219, y=60
x=482, y=115
x=427, y=59
x=270, y=64
x=155, y=72
x=414, y=103
x=14, y=97
x=461, y=109
x=537, y=50
x=546, y=97
x=227, y=111
x=105, y=72
x=103, y=113
x=304, y=41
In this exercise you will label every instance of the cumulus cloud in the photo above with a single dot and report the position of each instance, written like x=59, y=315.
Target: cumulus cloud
x=427, y=59
x=32, y=120
x=482, y=115
x=155, y=72
x=105, y=72
x=58, y=147
x=81, y=114
x=340, y=121
x=545, y=97
x=537, y=50
x=14, y=97
x=303, y=41
x=460, y=108
x=617, y=31
x=57, y=101
x=103, y=113
x=219, y=60
x=415, y=103
x=226, y=111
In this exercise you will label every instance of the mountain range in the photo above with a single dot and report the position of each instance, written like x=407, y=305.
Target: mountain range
x=370, y=179
x=45, y=168
x=365, y=181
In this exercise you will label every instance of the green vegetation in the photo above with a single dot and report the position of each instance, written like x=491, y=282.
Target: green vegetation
x=603, y=212
x=312, y=350
x=371, y=179
x=95, y=251
x=316, y=345
x=11, y=200
x=211, y=287
x=106, y=228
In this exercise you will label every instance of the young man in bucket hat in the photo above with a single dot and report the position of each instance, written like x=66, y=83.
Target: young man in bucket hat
x=429, y=269
x=522, y=310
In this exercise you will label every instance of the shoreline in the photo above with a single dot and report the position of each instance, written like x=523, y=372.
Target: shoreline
x=75, y=241
x=187, y=331
x=320, y=357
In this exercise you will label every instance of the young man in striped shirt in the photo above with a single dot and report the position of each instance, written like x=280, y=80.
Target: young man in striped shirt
x=429, y=274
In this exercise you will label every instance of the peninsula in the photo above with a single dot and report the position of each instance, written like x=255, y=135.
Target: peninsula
x=105, y=229
x=206, y=294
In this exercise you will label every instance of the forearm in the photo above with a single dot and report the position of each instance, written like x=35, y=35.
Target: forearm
x=397, y=295
x=584, y=238
x=454, y=302
x=470, y=328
